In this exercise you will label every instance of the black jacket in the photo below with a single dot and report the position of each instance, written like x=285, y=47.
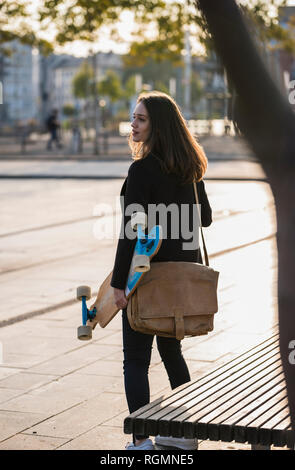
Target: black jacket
x=146, y=184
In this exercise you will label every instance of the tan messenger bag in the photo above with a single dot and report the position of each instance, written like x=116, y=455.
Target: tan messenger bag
x=175, y=298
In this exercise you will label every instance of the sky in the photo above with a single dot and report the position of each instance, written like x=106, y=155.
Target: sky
x=105, y=42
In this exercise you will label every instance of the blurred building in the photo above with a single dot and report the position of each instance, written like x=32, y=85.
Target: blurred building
x=34, y=84
x=280, y=61
x=213, y=101
x=19, y=77
x=287, y=59
x=61, y=70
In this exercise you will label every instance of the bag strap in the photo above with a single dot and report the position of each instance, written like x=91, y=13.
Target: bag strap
x=203, y=239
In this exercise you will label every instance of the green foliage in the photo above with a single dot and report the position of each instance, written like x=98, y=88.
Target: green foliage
x=83, y=19
x=262, y=17
x=160, y=86
x=267, y=28
x=129, y=87
x=150, y=71
x=81, y=84
x=168, y=41
x=196, y=88
x=68, y=110
x=14, y=24
x=110, y=86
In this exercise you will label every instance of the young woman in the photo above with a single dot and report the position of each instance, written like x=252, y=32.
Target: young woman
x=167, y=161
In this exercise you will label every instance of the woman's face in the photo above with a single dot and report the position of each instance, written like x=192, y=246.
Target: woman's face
x=140, y=125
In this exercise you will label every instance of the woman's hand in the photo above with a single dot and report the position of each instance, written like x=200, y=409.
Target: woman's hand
x=120, y=298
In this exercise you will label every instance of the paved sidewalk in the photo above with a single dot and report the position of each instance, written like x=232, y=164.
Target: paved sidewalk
x=59, y=393
x=217, y=147
x=229, y=158
x=116, y=169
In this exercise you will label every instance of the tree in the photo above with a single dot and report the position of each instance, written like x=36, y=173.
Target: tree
x=167, y=42
x=82, y=20
x=81, y=82
x=268, y=122
x=150, y=71
x=68, y=110
x=110, y=86
x=14, y=24
x=82, y=88
x=129, y=89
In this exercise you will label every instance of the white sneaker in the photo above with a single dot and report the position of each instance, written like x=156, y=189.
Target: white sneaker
x=177, y=442
x=145, y=445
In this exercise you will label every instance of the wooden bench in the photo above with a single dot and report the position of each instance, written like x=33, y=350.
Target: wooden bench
x=244, y=401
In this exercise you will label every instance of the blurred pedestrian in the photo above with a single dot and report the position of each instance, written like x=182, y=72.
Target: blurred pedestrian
x=76, y=144
x=53, y=126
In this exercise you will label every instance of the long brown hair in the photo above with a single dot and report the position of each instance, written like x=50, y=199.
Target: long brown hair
x=170, y=140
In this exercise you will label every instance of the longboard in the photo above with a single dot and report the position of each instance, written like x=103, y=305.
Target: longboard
x=104, y=308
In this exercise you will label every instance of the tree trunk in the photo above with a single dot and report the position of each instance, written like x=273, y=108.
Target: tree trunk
x=267, y=121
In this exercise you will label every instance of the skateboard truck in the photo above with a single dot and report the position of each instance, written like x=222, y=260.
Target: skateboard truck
x=84, y=331
x=141, y=262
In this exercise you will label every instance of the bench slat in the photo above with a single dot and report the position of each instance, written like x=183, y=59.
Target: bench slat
x=215, y=425
x=210, y=396
x=268, y=400
x=199, y=400
x=223, y=404
x=244, y=399
x=282, y=432
x=259, y=430
x=227, y=426
x=266, y=430
x=220, y=423
x=144, y=423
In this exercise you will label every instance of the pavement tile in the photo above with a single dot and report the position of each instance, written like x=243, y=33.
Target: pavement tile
x=75, y=360
x=45, y=347
x=82, y=199
x=217, y=445
x=113, y=338
x=7, y=371
x=99, y=438
x=25, y=380
x=83, y=417
x=103, y=368
x=61, y=394
x=27, y=442
x=217, y=347
x=21, y=360
x=7, y=394
x=117, y=420
x=13, y=422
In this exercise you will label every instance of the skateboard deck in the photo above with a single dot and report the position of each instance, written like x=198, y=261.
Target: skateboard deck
x=104, y=308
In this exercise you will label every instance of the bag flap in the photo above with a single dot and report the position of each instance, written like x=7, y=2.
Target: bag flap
x=159, y=299
x=179, y=270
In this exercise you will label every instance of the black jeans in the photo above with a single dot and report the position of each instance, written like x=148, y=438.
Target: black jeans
x=137, y=348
